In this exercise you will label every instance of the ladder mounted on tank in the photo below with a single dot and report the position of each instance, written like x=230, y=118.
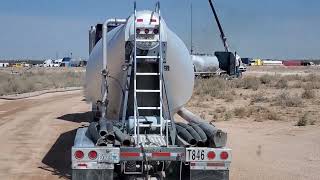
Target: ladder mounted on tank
x=137, y=92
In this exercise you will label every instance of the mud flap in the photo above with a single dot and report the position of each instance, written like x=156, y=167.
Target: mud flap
x=96, y=174
x=209, y=174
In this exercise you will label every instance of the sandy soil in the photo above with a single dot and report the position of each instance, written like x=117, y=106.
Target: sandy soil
x=36, y=135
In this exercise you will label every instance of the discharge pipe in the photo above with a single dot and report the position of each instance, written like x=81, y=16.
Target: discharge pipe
x=95, y=136
x=106, y=130
x=124, y=139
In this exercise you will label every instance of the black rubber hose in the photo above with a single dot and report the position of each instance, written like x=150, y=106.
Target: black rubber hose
x=201, y=133
x=184, y=134
x=216, y=137
x=193, y=133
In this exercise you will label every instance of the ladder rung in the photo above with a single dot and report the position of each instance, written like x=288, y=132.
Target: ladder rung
x=147, y=74
x=149, y=108
x=147, y=40
x=147, y=90
x=147, y=57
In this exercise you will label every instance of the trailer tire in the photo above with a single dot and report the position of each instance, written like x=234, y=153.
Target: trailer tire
x=96, y=174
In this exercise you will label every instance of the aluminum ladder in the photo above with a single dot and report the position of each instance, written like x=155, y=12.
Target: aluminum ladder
x=159, y=60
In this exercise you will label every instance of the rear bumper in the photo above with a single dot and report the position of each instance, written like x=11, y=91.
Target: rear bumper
x=107, y=157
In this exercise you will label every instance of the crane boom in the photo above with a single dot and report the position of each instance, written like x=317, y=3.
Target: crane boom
x=222, y=35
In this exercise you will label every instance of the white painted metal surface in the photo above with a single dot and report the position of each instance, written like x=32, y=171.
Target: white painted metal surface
x=205, y=63
x=179, y=78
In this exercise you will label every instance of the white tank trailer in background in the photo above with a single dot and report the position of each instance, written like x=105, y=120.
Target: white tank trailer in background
x=139, y=75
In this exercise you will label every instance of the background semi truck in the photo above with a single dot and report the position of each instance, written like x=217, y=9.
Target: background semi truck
x=139, y=75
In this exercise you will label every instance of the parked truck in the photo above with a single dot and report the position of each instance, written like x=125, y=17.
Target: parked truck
x=139, y=75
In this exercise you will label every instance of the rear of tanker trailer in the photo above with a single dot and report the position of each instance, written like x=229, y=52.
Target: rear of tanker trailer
x=139, y=75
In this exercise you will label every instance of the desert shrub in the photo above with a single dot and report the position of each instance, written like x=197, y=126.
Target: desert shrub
x=286, y=100
x=281, y=84
x=214, y=87
x=295, y=77
x=240, y=112
x=227, y=116
x=311, y=78
x=250, y=83
x=308, y=94
x=262, y=113
x=266, y=79
x=297, y=84
x=312, y=85
x=221, y=109
x=227, y=96
x=271, y=115
x=303, y=120
x=258, y=98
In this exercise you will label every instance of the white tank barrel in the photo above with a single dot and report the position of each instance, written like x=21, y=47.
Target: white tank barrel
x=178, y=67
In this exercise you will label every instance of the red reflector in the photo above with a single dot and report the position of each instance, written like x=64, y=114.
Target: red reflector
x=139, y=20
x=211, y=155
x=129, y=154
x=93, y=155
x=146, y=31
x=161, y=154
x=79, y=154
x=224, y=155
x=153, y=20
x=83, y=165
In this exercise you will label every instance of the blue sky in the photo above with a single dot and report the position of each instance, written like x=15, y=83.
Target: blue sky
x=270, y=28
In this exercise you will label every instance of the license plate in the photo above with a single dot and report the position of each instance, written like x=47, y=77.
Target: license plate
x=108, y=157
x=196, y=154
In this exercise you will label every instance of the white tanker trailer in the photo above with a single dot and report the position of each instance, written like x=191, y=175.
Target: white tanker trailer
x=139, y=75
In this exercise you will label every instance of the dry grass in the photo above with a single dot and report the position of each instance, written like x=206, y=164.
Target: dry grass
x=261, y=114
x=308, y=94
x=38, y=80
x=258, y=98
x=240, y=112
x=287, y=100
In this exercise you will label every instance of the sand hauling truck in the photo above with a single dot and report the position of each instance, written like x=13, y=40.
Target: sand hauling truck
x=139, y=75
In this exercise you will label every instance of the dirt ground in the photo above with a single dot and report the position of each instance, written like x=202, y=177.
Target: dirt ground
x=36, y=134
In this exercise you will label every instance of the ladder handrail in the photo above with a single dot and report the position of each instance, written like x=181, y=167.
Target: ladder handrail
x=136, y=124
x=160, y=62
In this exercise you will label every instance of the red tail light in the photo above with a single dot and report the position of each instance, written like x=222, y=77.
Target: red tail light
x=146, y=31
x=139, y=20
x=93, y=155
x=155, y=31
x=224, y=155
x=79, y=154
x=138, y=31
x=211, y=155
x=153, y=20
